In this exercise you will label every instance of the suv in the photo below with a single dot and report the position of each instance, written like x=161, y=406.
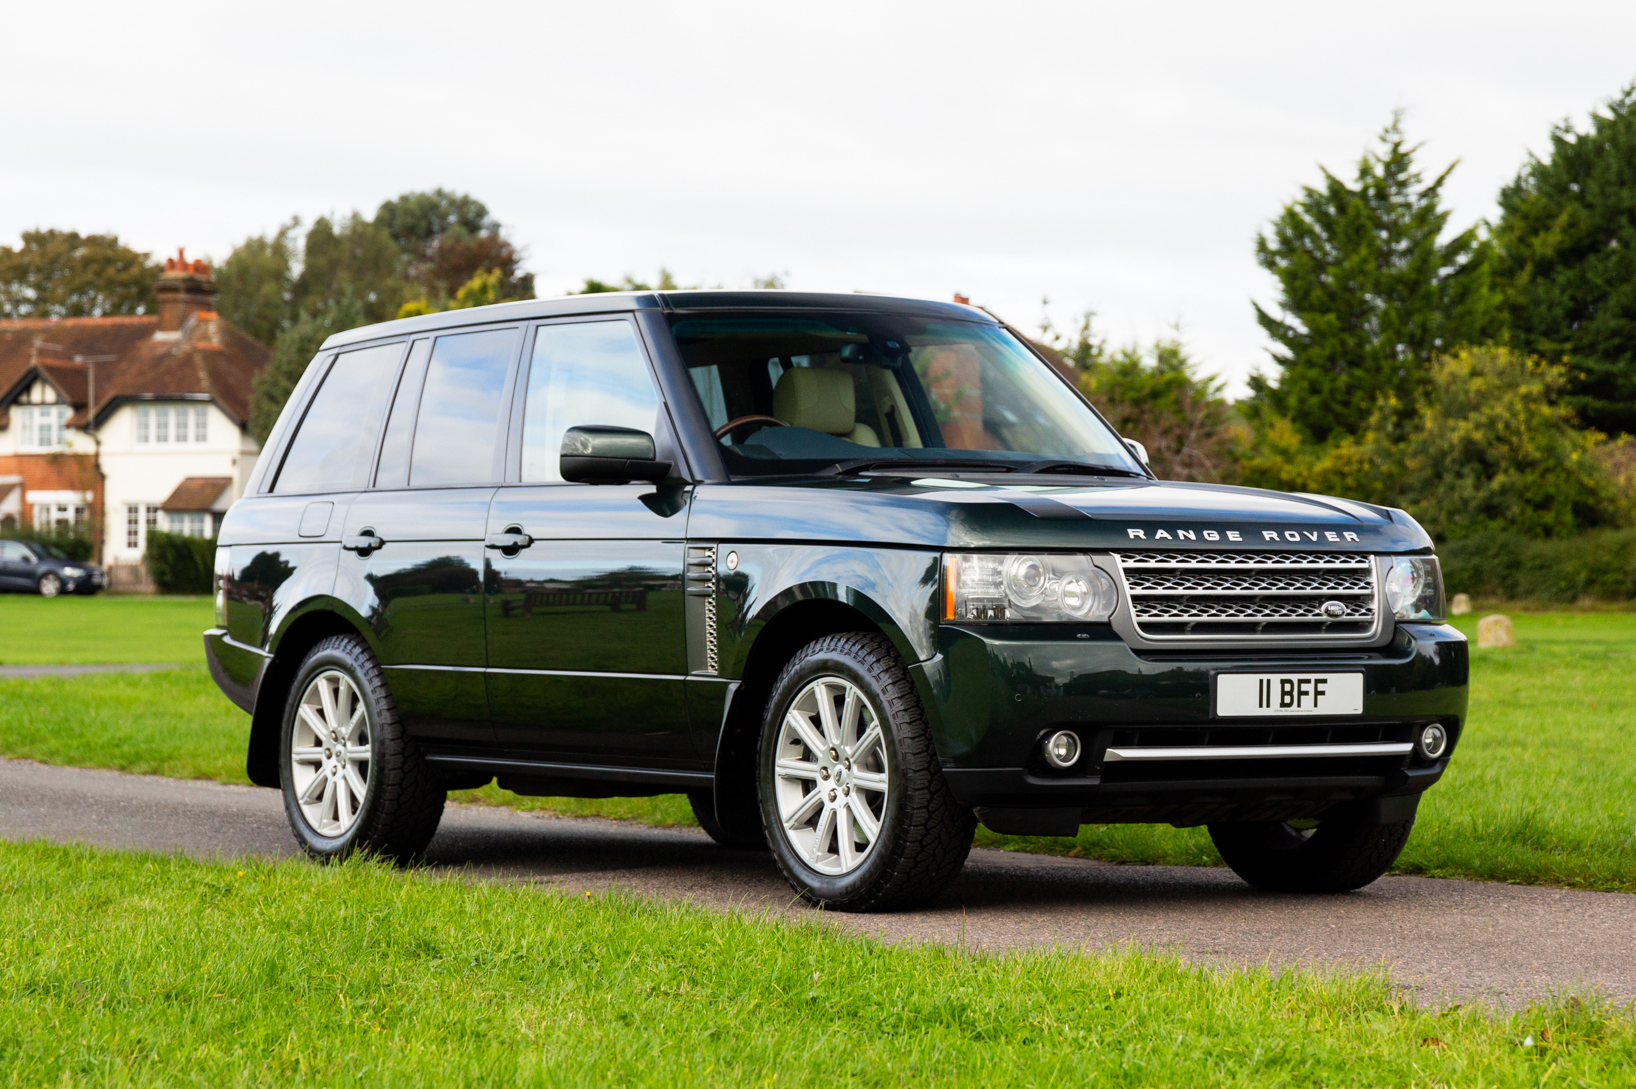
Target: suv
x=854, y=573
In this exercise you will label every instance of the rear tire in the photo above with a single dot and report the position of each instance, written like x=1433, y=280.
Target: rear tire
x=1343, y=853
x=845, y=732
x=744, y=832
x=351, y=777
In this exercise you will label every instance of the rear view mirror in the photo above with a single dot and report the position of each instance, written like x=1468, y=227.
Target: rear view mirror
x=609, y=455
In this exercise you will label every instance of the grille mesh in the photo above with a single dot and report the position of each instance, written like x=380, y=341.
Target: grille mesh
x=1250, y=596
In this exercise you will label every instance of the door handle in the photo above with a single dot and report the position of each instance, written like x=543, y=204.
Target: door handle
x=510, y=541
x=363, y=543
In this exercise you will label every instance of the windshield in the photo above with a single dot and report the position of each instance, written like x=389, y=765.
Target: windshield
x=798, y=394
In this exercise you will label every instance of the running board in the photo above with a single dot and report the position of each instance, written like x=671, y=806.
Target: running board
x=1260, y=752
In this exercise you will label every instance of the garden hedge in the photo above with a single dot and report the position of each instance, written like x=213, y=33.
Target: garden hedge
x=179, y=564
x=1598, y=566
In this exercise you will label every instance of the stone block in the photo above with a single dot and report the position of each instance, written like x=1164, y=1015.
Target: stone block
x=1460, y=606
x=1495, y=631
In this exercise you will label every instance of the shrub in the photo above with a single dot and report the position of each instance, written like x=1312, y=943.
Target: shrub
x=74, y=545
x=1599, y=566
x=181, y=565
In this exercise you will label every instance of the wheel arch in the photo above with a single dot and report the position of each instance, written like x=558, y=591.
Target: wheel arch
x=304, y=629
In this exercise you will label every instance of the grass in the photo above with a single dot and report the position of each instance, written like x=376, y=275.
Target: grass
x=73, y=629
x=1541, y=791
x=145, y=970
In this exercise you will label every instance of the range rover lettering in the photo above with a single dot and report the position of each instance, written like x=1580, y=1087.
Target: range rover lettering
x=854, y=573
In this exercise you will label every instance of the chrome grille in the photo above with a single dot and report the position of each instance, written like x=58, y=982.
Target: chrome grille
x=1250, y=596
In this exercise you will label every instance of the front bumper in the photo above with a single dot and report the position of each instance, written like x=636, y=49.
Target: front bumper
x=994, y=693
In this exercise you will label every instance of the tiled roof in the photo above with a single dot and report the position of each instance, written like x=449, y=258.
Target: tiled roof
x=210, y=357
x=196, y=493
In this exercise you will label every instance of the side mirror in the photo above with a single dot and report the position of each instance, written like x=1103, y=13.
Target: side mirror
x=609, y=455
x=1138, y=449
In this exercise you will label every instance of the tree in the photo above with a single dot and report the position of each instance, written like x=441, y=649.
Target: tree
x=1566, y=261
x=666, y=282
x=295, y=348
x=447, y=238
x=351, y=257
x=1490, y=449
x=1368, y=292
x=63, y=274
x=256, y=282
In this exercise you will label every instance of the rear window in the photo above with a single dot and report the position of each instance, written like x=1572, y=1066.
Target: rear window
x=459, y=419
x=336, y=440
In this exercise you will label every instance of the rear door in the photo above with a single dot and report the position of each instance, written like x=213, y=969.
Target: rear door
x=587, y=655
x=414, y=542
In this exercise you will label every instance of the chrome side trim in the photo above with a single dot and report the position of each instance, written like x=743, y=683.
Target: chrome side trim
x=235, y=644
x=545, y=672
x=1260, y=752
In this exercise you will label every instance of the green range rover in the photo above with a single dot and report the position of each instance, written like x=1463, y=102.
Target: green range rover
x=854, y=573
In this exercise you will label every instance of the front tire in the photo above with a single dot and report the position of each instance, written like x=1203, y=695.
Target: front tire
x=351, y=777
x=1344, y=852
x=858, y=814
x=50, y=584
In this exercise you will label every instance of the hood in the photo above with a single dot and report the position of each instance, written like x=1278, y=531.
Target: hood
x=942, y=513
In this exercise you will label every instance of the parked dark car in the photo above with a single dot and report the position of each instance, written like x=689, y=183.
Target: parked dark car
x=46, y=570
x=854, y=573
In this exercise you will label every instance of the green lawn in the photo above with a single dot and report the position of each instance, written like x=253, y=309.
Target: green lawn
x=49, y=631
x=1542, y=790
x=141, y=970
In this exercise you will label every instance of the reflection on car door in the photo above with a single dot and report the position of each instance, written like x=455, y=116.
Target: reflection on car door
x=585, y=630
x=415, y=542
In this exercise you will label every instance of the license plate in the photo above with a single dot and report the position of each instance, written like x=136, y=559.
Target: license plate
x=1245, y=695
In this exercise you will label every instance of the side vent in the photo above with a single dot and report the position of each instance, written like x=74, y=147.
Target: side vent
x=701, y=582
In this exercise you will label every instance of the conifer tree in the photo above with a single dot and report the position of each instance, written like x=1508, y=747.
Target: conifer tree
x=1369, y=292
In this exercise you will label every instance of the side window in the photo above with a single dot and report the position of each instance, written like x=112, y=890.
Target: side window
x=459, y=420
x=11, y=553
x=332, y=448
x=393, y=471
x=583, y=373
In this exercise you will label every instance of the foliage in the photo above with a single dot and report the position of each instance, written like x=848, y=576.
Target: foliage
x=295, y=349
x=666, y=282
x=351, y=257
x=155, y=969
x=1155, y=396
x=449, y=238
x=1598, y=566
x=63, y=274
x=1368, y=293
x=180, y=564
x=75, y=544
x=1566, y=261
x=1489, y=450
x=255, y=282
x=483, y=289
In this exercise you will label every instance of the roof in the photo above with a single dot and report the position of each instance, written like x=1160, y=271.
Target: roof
x=616, y=302
x=197, y=493
x=210, y=359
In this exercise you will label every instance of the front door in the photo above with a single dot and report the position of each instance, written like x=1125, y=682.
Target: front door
x=585, y=632
x=414, y=543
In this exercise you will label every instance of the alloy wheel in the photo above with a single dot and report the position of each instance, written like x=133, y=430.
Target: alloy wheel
x=50, y=585
x=831, y=776
x=329, y=753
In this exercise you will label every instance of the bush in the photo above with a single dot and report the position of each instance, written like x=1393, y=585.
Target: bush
x=76, y=546
x=181, y=565
x=1599, y=566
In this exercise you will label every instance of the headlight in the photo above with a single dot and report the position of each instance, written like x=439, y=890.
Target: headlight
x=73, y=572
x=1414, y=587
x=1025, y=587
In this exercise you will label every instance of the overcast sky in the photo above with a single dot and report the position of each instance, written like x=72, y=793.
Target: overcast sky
x=1117, y=157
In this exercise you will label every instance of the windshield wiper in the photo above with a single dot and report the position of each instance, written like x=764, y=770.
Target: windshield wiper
x=858, y=465
x=1078, y=468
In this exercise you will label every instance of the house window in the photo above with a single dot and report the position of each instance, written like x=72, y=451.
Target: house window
x=43, y=427
x=133, y=525
x=144, y=425
x=201, y=422
x=191, y=523
x=161, y=424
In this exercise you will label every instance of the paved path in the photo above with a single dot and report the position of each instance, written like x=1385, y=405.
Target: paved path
x=29, y=672
x=1460, y=939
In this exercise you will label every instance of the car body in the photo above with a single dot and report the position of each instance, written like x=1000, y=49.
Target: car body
x=39, y=568
x=625, y=638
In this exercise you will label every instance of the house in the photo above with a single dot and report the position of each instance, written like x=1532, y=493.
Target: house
x=119, y=425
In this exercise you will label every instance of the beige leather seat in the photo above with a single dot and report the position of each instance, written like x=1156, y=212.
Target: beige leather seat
x=822, y=400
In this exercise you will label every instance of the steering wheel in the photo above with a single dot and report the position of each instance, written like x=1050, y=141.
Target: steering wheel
x=733, y=425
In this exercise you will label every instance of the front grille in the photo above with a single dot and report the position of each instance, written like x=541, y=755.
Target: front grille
x=1250, y=596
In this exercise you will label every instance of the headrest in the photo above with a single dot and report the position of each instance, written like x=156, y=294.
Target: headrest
x=816, y=398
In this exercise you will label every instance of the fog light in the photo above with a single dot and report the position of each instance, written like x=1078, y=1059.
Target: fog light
x=1434, y=741
x=1062, y=749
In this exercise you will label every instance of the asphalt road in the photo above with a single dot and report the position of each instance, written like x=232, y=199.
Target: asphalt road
x=1449, y=940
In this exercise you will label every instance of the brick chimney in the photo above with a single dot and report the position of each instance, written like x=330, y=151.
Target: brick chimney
x=184, y=289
